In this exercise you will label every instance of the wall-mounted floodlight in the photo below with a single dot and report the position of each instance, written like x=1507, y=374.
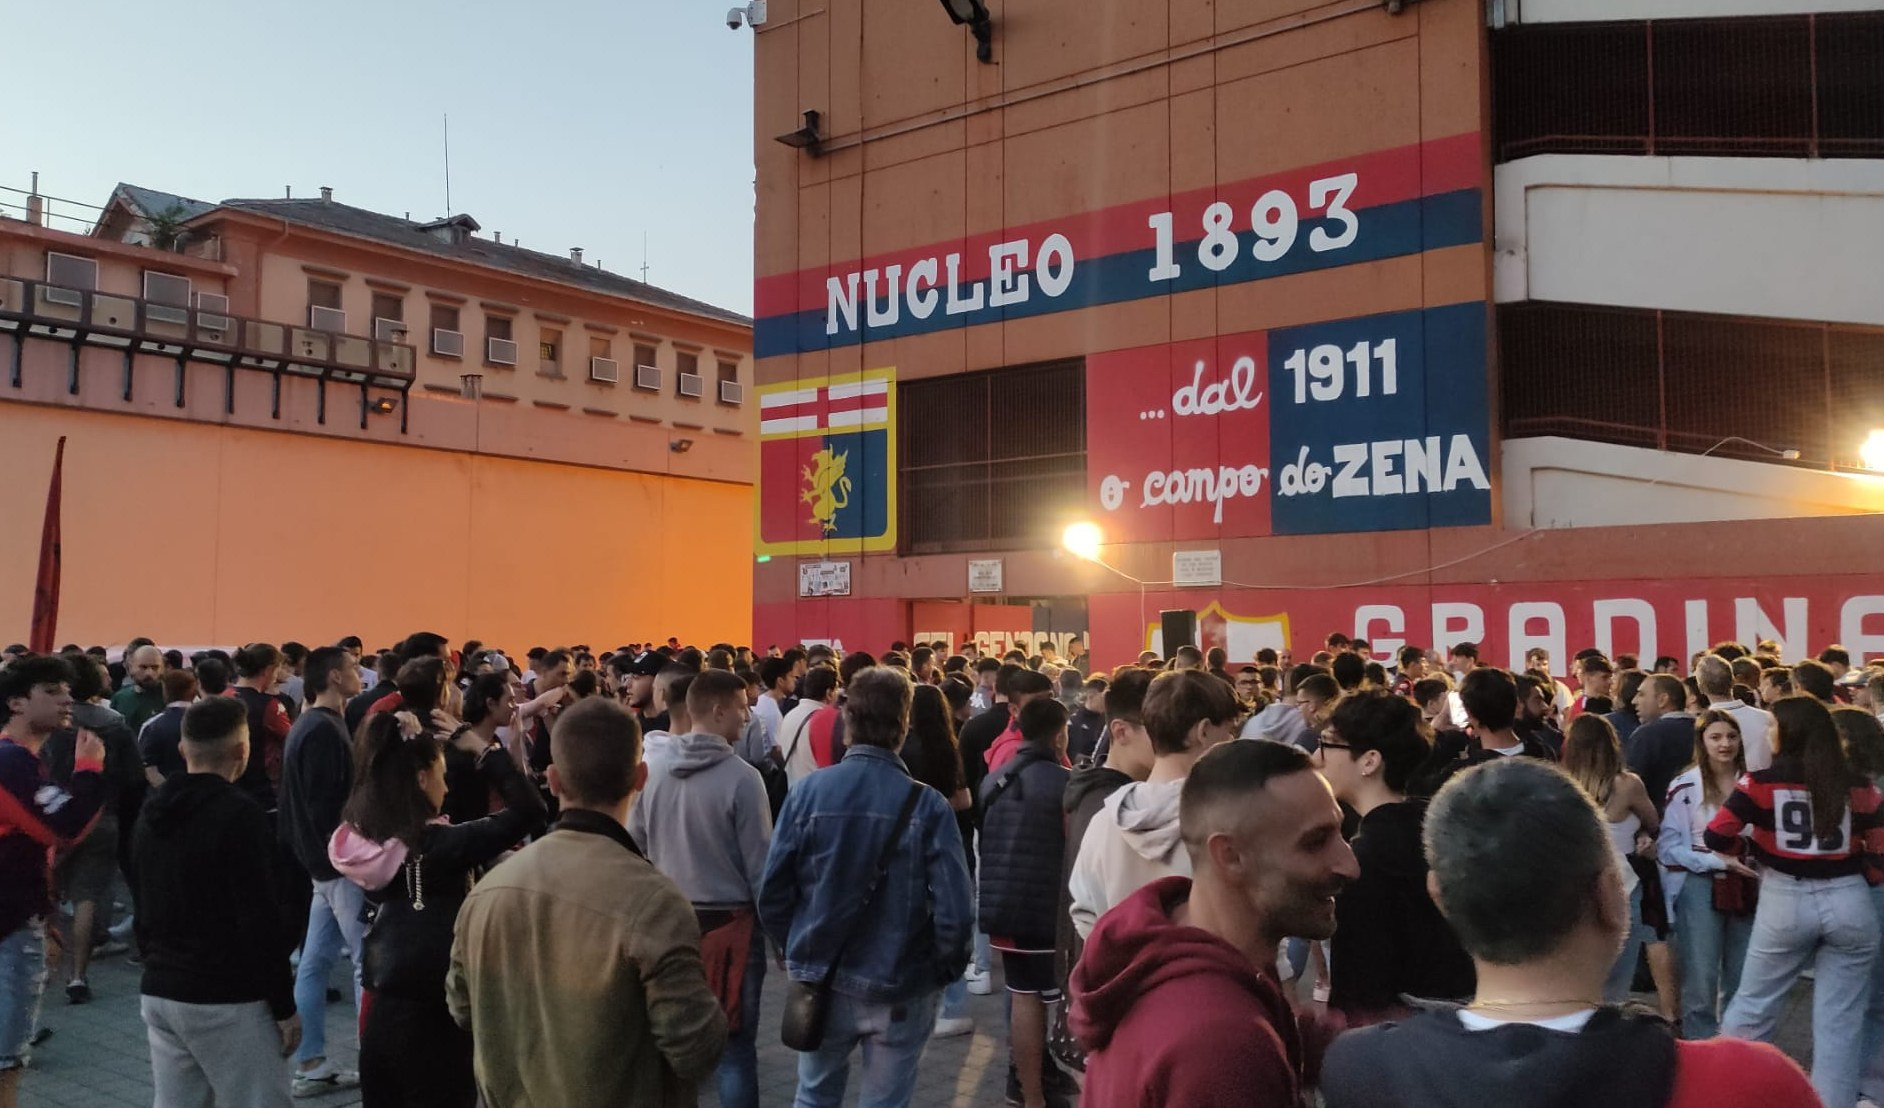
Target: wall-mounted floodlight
x=974, y=15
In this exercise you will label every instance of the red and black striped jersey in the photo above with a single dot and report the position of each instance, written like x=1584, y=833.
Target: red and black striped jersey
x=1777, y=806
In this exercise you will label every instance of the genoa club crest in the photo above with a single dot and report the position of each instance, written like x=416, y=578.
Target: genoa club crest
x=827, y=465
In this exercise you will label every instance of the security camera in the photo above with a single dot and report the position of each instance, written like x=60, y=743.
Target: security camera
x=752, y=15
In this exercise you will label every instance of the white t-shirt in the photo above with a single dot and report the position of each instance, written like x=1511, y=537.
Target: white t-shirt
x=1574, y=1022
x=767, y=713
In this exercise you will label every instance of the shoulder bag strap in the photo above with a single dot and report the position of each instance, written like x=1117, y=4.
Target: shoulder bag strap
x=804, y=725
x=876, y=879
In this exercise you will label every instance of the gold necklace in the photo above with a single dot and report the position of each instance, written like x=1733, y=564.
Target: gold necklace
x=1581, y=1002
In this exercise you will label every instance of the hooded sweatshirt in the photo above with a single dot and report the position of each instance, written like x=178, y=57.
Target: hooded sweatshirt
x=1132, y=842
x=1175, y=1016
x=1432, y=1060
x=703, y=820
x=419, y=890
x=1086, y=792
x=208, y=917
x=1389, y=937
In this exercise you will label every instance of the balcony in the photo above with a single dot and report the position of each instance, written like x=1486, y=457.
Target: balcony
x=80, y=317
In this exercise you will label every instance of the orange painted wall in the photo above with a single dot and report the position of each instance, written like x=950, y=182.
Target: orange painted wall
x=199, y=534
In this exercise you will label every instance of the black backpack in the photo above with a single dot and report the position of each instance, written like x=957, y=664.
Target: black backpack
x=777, y=784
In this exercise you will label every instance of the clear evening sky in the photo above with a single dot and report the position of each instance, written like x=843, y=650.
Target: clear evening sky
x=573, y=122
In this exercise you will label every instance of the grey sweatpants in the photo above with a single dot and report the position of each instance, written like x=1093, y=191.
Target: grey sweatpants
x=215, y=1055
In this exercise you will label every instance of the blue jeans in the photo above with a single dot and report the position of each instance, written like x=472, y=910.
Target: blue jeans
x=1871, y=1082
x=22, y=981
x=333, y=918
x=955, y=999
x=1622, y=974
x=1711, y=948
x=892, y=1036
x=738, y=1073
x=1797, y=919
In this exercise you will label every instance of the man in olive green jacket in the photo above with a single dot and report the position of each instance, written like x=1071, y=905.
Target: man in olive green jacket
x=576, y=964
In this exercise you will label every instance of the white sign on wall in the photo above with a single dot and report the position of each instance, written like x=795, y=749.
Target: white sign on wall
x=823, y=579
x=984, y=575
x=1197, y=567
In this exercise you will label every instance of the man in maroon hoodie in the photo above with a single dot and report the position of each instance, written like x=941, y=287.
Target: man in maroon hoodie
x=1176, y=996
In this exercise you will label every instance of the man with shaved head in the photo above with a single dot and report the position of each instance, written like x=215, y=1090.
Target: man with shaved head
x=1176, y=995
x=143, y=696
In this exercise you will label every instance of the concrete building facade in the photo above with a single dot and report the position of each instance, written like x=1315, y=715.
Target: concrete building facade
x=1424, y=322
x=299, y=419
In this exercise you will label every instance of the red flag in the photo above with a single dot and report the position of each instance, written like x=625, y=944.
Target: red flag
x=46, y=586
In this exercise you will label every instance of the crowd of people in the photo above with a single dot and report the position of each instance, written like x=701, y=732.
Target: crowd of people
x=562, y=879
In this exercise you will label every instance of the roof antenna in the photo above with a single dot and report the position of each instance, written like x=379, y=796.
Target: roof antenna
x=644, y=257
x=447, y=163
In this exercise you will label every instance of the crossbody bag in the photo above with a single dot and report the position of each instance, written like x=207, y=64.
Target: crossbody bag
x=808, y=1003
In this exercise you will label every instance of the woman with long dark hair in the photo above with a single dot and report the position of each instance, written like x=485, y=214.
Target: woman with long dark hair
x=1814, y=820
x=1709, y=895
x=1592, y=756
x=934, y=757
x=416, y=868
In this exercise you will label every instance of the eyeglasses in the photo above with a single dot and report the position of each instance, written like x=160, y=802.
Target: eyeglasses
x=1335, y=743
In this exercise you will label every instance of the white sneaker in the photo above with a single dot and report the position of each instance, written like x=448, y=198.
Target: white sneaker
x=323, y=1079
x=946, y=1028
x=980, y=981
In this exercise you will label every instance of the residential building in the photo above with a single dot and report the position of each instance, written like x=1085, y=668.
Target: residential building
x=296, y=418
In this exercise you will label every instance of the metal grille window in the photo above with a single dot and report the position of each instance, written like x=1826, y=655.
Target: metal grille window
x=1782, y=86
x=1685, y=382
x=991, y=461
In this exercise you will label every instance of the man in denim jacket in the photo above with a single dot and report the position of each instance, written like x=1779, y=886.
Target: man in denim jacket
x=892, y=965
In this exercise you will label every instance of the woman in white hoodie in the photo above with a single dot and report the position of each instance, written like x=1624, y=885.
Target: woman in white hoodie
x=1710, y=942
x=1134, y=840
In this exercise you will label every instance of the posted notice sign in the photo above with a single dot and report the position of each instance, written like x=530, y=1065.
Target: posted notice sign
x=984, y=575
x=823, y=579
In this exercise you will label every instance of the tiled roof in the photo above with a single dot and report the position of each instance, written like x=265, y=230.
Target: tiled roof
x=152, y=202
x=358, y=222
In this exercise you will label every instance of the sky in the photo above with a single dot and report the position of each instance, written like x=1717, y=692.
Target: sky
x=573, y=122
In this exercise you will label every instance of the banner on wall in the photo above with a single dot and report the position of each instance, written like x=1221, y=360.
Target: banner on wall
x=1377, y=423
x=1384, y=204
x=1644, y=618
x=827, y=464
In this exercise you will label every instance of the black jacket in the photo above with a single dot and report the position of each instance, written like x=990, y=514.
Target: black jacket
x=975, y=737
x=159, y=743
x=1023, y=841
x=408, y=948
x=208, y=917
x=1431, y=1061
x=1389, y=936
x=316, y=778
x=1082, y=732
x=1658, y=751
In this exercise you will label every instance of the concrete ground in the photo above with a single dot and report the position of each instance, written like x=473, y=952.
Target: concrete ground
x=97, y=1057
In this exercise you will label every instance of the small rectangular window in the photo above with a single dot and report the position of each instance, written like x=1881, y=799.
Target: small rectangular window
x=599, y=346
x=644, y=354
x=388, y=306
x=550, y=352
x=444, y=317
x=71, y=271
x=323, y=294
x=729, y=371
x=687, y=362
x=167, y=289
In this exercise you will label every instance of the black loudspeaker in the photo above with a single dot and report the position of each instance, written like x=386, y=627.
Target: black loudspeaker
x=1180, y=629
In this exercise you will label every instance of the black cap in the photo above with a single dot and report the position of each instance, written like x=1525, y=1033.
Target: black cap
x=647, y=665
